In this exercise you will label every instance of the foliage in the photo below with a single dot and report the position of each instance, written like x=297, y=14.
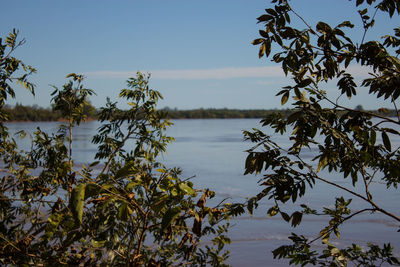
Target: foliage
x=124, y=209
x=352, y=143
x=221, y=113
x=35, y=113
x=10, y=70
x=21, y=112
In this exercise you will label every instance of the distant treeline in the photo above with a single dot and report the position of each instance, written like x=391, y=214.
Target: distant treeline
x=222, y=113
x=244, y=113
x=35, y=113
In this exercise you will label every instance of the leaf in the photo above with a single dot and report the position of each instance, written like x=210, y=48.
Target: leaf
x=296, y=218
x=293, y=117
x=70, y=75
x=94, y=163
x=273, y=211
x=386, y=141
x=97, y=244
x=263, y=33
x=126, y=170
x=285, y=216
x=76, y=202
x=92, y=190
x=169, y=216
x=346, y=24
x=322, y=163
x=187, y=189
x=257, y=41
x=197, y=226
x=372, y=138
x=124, y=212
x=250, y=206
x=264, y=17
x=304, y=83
x=322, y=27
x=262, y=50
x=284, y=98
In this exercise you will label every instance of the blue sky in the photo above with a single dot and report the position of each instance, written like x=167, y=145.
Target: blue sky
x=199, y=52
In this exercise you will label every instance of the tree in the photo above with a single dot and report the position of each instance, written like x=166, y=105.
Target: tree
x=126, y=208
x=351, y=143
x=10, y=73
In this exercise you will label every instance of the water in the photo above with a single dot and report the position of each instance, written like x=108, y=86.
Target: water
x=214, y=152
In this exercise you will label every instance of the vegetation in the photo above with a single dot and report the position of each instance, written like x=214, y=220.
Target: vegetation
x=128, y=209
x=35, y=113
x=222, y=113
x=350, y=143
x=124, y=209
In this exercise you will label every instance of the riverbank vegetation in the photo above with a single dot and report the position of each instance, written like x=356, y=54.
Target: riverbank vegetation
x=127, y=209
x=124, y=209
x=35, y=113
x=354, y=151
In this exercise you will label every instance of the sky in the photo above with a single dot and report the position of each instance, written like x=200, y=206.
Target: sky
x=199, y=53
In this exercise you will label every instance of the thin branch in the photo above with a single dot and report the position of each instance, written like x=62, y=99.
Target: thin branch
x=302, y=19
x=340, y=187
x=369, y=200
x=222, y=201
x=366, y=28
x=20, y=199
x=344, y=219
x=9, y=242
x=372, y=177
x=395, y=107
x=111, y=157
x=387, y=119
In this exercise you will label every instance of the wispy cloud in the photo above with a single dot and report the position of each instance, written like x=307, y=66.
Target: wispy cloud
x=197, y=74
x=359, y=71
x=214, y=74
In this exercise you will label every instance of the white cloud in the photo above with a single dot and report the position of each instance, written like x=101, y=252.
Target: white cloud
x=198, y=74
x=216, y=73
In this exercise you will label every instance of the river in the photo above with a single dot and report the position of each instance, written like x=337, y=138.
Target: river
x=213, y=151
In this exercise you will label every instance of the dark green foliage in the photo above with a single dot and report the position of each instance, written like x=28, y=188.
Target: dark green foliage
x=124, y=209
x=350, y=142
x=34, y=113
x=221, y=113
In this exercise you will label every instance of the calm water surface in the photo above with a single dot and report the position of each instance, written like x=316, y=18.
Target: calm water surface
x=213, y=151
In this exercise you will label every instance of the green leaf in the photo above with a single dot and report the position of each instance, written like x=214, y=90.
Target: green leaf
x=92, y=190
x=386, y=141
x=304, y=83
x=124, y=212
x=169, y=216
x=372, y=138
x=98, y=244
x=187, y=189
x=284, y=98
x=76, y=202
x=126, y=170
x=322, y=163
